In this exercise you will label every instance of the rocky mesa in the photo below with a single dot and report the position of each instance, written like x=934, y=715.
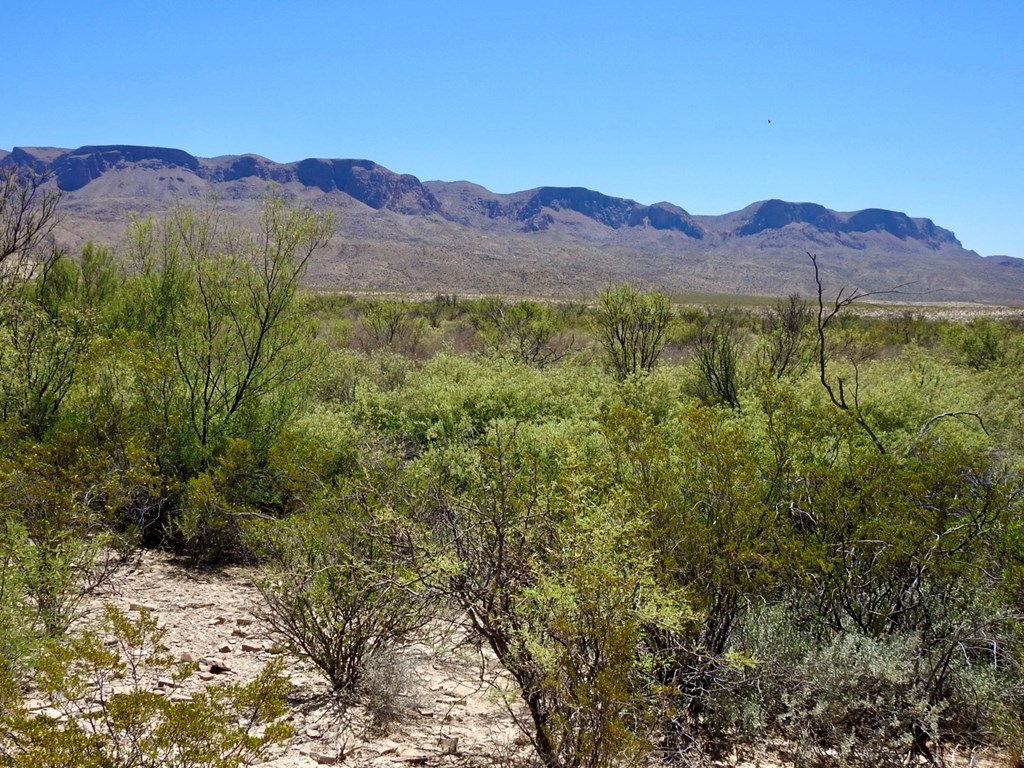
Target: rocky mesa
x=398, y=233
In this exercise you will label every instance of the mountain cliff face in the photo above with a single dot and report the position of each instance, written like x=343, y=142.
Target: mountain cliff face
x=777, y=214
x=362, y=180
x=398, y=233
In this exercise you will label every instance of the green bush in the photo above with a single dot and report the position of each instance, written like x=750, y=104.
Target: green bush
x=338, y=589
x=103, y=711
x=556, y=581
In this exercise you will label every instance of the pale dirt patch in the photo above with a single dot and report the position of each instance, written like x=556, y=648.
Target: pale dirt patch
x=440, y=706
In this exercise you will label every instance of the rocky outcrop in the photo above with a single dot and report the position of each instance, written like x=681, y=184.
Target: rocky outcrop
x=369, y=183
x=37, y=159
x=239, y=167
x=666, y=216
x=77, y=168
x=776, y=214
x=363, y=180
x=897, y=224
x=541, y=209
x=613, y=212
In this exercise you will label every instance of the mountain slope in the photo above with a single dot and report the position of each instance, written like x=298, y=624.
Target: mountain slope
x=398, y=233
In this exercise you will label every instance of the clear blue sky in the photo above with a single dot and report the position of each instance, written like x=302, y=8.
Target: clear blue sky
x=914, y=106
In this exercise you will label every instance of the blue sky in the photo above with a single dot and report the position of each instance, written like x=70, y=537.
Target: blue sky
x=915, y=106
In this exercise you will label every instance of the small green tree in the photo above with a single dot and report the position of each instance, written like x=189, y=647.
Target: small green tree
x=220, y=305
x=392, y=324
x=526, y=331
x=785, y=337
x=45, y=330
x=717, y=353
x=631, y=326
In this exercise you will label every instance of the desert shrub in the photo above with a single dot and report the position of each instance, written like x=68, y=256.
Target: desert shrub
x=1006, y=709
x=336, y=379
x=389, y=324
x=103, y=711
x=526, y=331
x=785, y=338
x=718, y=353
x=849, y=699
x=454, y=398
x=442, y=307
x=15, y=626
x=695, y=478
x=658, y=395
x=981, y=343
x=854, y=701
x=208, y=525
x=54, y=495
x=338, y=589
x=551, y=578
x=631, y=326
x=584, y=623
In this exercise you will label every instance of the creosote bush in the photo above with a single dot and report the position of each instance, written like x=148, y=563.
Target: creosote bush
x=338, y=589
x=549, y=577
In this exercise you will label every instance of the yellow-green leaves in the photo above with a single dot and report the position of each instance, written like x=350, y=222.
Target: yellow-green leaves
x=102, y=709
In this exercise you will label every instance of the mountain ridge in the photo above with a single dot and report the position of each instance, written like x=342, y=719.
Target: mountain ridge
x=400, y=233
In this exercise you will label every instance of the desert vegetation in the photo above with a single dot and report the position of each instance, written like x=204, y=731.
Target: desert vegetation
x=682, y=530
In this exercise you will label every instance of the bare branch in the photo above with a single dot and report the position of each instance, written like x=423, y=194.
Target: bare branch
x=28, y=216
x=951, y=414
x=837, y=394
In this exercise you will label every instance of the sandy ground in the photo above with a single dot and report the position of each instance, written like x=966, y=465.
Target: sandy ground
x=441, y=703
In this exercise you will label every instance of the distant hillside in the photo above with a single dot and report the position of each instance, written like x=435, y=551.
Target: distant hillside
x=398, y=233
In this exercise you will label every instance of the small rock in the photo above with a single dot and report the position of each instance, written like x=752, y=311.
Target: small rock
x=324, y=759
x=239, y=633
x=165, y=682
x=141, y=607
x=312, y=733
x=252, y=647
x=220, y=667
x=187, y=657
x=449, y=746
x=206, y=676
x=243, y=622
x=225, y=648
x=414, y=759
